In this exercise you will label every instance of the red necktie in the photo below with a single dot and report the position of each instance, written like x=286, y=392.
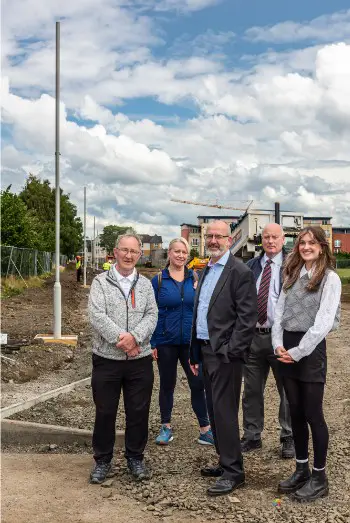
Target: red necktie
x=263, y=294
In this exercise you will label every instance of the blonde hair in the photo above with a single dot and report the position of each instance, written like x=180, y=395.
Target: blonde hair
x=178, y=240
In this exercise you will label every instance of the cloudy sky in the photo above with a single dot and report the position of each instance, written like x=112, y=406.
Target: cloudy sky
x=207, y=100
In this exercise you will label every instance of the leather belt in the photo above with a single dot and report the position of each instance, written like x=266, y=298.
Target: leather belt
x=263, y=330
x=204, y=342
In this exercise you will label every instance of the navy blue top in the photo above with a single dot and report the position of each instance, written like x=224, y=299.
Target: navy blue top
x=175, y=302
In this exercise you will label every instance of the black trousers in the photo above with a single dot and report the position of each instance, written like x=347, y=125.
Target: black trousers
x=168, y=356
x=260, y=360
x=109, y=378
x=305, y=403
x=223, y=388
x=78, y=274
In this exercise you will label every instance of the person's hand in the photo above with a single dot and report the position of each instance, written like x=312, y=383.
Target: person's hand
x=155, y=353
x=126, y=342
x=194, y=368
x=280, y=351
x=134, y=352
x=284, y=356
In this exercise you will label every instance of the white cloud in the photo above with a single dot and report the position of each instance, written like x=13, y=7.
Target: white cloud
x=277, y=129
x=325, y=28
x=184, y=5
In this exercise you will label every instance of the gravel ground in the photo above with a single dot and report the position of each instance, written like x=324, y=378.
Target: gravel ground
x=176, y=483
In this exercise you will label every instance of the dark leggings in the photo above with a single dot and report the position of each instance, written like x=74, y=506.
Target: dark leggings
x=305, y=404
x=168, y=357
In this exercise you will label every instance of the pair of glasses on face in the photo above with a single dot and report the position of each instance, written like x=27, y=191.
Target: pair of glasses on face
x=125, y=251
x=217, y=236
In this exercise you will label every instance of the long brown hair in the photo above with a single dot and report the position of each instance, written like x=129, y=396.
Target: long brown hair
x=295, y=262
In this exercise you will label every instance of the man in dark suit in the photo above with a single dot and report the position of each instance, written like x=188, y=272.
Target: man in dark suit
x=225, y=315
x=267, y=270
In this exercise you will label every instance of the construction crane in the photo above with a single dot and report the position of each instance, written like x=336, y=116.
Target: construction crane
x=216, y=206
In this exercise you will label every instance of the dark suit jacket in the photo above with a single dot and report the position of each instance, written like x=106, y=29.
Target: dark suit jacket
x=232, y=313
x=255, y=265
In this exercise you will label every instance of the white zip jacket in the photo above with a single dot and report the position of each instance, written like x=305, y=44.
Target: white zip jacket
x=111, y=313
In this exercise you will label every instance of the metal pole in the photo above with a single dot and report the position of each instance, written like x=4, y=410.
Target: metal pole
x=84, y=236
x=57, y=286
x=97, y=245
x=277, y=212
x=93, y=251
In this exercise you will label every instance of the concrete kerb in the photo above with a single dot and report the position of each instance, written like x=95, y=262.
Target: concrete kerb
x=6, y=412
x=29, y=433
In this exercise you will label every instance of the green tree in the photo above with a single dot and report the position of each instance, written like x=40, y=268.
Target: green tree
x=194, y=253
x=110, y=234
x=15, y=222
x=39, y=198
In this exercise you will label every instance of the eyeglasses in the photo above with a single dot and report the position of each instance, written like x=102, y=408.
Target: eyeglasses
x=217, y=236
x=127, y=251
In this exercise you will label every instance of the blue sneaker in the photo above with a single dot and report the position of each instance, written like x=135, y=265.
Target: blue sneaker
x=165, y=436
x=206, y=439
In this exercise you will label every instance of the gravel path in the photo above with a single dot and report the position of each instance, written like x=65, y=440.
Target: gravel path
x=177, y=486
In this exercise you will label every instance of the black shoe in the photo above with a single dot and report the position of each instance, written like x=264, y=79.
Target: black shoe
x=138, y=469
x=99, y=474
x=288, y=450
x=247, y=445
x=212, y=472
x=296, y=480
x=316, y=487
x=224, y=486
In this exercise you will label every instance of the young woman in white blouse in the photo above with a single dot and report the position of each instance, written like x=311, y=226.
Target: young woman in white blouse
x=307, y=310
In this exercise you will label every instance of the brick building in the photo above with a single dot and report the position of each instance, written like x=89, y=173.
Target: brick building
x=341, y=239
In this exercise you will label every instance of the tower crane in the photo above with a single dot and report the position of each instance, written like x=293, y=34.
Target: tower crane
x=216, y=206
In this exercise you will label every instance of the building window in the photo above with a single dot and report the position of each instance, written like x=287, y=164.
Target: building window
x=194, y=242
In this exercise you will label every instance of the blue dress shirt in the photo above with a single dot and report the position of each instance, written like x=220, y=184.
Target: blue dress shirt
x=206, y=292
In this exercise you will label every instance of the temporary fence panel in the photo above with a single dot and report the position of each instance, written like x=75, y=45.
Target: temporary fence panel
x=24, y=263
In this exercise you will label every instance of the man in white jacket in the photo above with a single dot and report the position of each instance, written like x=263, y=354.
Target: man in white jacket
x=123, y=313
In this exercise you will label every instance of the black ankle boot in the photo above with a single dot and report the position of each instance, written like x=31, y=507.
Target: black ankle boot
x=296, y=480
x=316, y=487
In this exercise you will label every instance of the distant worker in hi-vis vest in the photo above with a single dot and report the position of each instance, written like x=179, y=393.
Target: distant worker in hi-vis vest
x=78, y=267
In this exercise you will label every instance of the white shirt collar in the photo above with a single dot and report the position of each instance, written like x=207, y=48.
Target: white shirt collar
x=304, y=271
x=277, y=260
x=120, y=277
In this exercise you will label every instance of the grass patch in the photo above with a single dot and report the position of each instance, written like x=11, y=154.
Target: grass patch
x=344, y=275
x=13, y=286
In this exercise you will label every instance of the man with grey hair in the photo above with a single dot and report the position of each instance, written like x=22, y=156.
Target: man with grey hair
x=123, y=314
x=267, y=270
x=225, y=313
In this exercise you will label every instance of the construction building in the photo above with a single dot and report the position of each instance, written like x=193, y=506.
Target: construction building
x=246, y=230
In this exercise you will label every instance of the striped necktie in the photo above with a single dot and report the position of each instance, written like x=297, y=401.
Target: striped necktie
x=263, y=294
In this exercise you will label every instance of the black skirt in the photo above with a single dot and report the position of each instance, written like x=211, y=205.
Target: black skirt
x=312, y=368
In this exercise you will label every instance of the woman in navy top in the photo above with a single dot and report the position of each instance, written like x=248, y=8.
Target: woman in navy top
x=174, y=290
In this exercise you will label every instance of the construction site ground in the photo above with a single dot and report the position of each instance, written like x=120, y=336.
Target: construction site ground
x=50, y=485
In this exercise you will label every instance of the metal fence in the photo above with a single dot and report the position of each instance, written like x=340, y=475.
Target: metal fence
x=24, y=263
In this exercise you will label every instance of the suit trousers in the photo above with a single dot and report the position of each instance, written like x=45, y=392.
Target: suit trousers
x=256, y=370
x=109, y=378
x=223, y=387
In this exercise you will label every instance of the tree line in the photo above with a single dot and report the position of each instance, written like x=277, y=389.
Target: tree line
x=28, y=218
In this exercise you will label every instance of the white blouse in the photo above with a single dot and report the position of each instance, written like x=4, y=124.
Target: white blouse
x=323, y=322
